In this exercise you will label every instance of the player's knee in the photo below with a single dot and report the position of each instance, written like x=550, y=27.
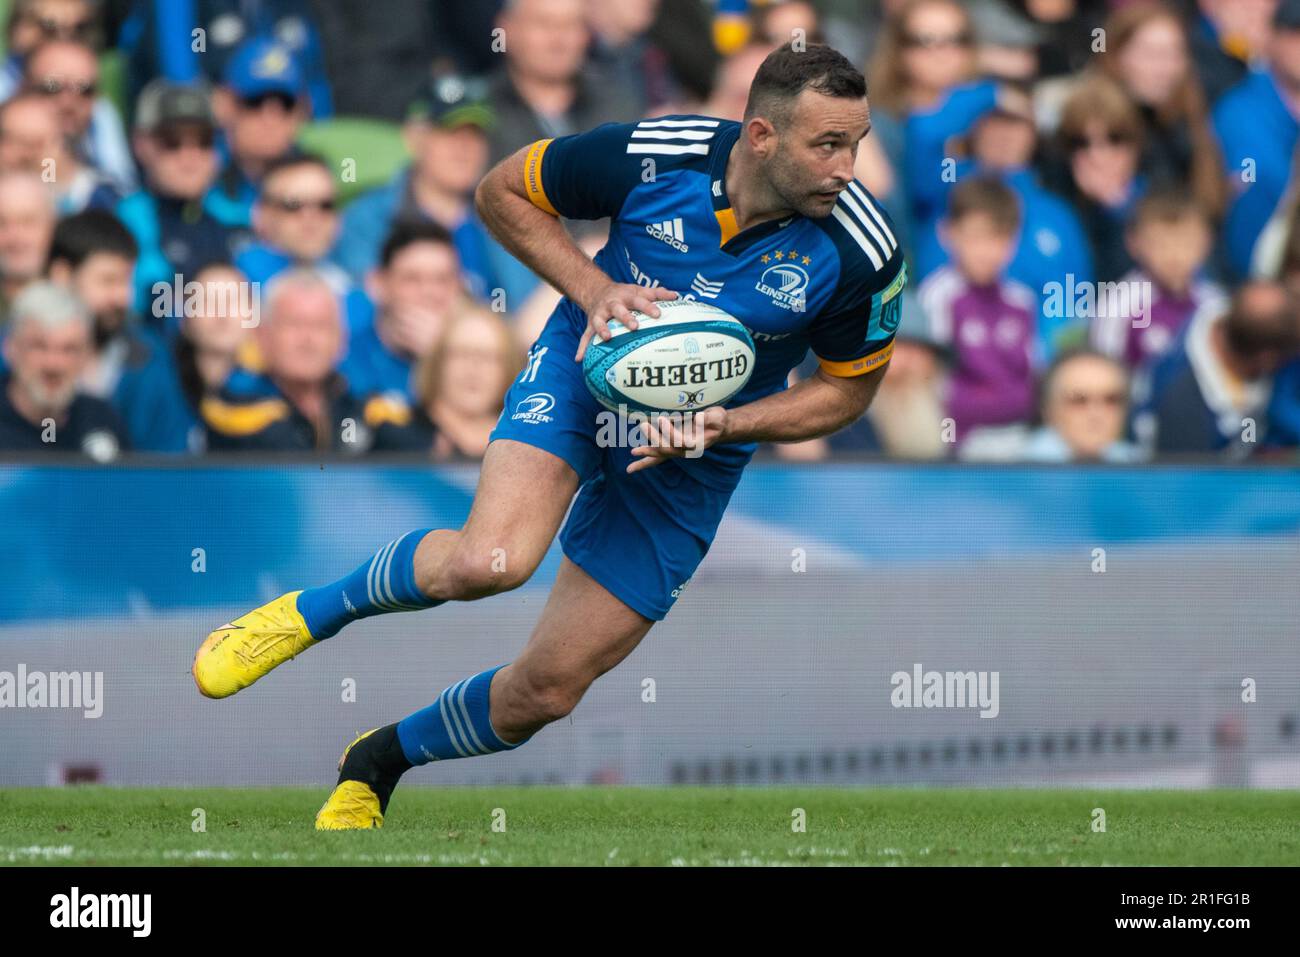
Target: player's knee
x=544, y=700
x=477, y=573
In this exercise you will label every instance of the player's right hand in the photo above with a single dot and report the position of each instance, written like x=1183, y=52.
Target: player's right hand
x=618, y=300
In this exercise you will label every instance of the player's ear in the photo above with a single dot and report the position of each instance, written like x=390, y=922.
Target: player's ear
x=762, y=135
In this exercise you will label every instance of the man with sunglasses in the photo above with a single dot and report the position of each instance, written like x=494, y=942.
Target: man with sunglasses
x=295, y=224
x=33, y=22
x=175, y=141
x=66, y=73
x=32, y=142
x=260, y=106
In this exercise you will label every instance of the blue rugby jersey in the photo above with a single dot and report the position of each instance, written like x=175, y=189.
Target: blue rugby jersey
x=831, y=284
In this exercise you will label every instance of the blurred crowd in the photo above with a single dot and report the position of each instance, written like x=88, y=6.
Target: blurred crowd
x=248, y=225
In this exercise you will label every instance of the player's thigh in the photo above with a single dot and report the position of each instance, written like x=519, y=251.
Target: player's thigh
x=522, y=495
x=583, y=632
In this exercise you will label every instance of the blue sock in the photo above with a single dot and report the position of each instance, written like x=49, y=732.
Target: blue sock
x=384, y=584
x=454, y=726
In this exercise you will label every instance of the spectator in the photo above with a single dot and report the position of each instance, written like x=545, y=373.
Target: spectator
x=543, y=91
x=378, y=52
x=415, y=289
x=1147, y=53
x=162, y=44
x=907, y=413
x=1052, y=246
x=27, y=217
x=461, y=384
x=33, y=22
x=93, y=254
x=622, y=51
x=211, y=337
x=296, y=223
x=1258, y=125
x=1084, y=408
x=1169, y=238
x=175, y=142
x=31, y=142
x=67, y=72
x=299, y=401
x=924, y=74
x=41, y=406
x=1065, y=34
x=1095, y=166
x=1210, y=393
x=260, y=106
x=735, y=75
x=446, y=133
x=1227, y=37
x=985, y=319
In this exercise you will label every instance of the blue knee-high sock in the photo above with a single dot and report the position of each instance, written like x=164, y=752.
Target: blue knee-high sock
x=384, y=584
x=454, y=726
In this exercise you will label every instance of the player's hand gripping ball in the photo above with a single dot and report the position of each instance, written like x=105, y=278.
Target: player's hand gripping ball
x=691, y=356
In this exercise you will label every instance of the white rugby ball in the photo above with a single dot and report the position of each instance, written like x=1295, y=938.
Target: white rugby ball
x=689, y=357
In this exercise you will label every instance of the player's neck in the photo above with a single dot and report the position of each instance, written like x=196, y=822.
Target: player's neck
x=753, y=201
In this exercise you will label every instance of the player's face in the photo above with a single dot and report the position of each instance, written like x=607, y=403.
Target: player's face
x=815, y=152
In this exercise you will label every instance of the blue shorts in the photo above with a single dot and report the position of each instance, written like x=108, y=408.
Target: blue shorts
x=641, y=536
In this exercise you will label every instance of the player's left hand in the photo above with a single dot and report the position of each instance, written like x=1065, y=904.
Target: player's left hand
x=669, y=440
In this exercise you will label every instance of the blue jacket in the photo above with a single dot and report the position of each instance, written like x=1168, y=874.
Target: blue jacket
x=1257, y=133
x=1052, y=242
x=368, y=219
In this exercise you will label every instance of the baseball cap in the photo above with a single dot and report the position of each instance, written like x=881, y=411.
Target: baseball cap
x=163, y=102
x=453, y=100
x=264, y=65
x=1287, y=15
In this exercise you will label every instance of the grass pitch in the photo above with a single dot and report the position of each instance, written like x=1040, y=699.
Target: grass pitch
x=658, y=827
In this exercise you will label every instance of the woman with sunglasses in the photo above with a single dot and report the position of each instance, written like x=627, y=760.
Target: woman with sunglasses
x=924, y=75
x=1095, y=162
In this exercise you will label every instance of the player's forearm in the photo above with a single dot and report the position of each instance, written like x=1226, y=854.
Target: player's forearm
x=817, y=406
x=534, y=236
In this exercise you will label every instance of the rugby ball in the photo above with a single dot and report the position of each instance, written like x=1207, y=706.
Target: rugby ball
x=689, y=357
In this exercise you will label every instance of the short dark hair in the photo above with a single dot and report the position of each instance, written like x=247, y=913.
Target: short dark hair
x=987, y=195
x=293, y=160
x=408, y=232
x=1253, y=327
x=1168, y=206
x=787, y=72
x=77, y=238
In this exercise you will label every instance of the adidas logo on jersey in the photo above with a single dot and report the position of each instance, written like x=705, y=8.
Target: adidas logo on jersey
x=670, y=232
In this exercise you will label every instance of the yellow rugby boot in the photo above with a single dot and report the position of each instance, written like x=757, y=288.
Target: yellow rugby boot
x=352, y=805
x=238, y=653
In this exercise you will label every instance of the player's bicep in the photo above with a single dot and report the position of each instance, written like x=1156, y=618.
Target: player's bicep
x=860, y=339
x=582, y=176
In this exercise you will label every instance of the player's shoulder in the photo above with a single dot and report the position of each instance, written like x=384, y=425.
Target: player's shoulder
x=862, y=231
x=677, y=139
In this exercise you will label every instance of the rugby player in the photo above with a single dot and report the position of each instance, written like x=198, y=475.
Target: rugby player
x=762, y=218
